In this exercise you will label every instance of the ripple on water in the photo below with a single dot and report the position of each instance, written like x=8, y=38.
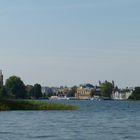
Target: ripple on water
x=107, y=120
x=42, y=136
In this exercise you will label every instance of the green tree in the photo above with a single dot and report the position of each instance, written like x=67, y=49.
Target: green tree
x=3, y=93
x=15, y=86
x=31, y=93
x=37, y=91
x=106, y=89
x=135, y=94
x=72, y=91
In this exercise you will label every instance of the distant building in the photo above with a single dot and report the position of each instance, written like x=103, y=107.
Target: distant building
x=47, y=91
x=50, y=91
x=84, y=92
x=1, y=78
x=63, y=91
x=97, y=91
x=122, y=94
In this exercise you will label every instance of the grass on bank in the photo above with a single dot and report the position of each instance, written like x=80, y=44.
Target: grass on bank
x=33, y=105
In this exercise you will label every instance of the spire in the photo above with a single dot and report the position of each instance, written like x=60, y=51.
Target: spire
x=1, y=78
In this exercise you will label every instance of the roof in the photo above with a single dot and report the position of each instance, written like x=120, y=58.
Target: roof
x=87, y=85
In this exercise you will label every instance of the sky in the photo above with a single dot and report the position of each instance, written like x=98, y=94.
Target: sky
x=70, y=42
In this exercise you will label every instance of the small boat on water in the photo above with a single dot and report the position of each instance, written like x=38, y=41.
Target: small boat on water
x=63, y=98
x=58, y=98
x=96, y=98
x=53, y=98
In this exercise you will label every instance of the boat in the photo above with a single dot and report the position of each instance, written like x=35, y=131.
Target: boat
x=58, y=98
x=63, y=98
x=96, y=98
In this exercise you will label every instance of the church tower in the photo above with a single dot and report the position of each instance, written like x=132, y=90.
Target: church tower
x=1, y=78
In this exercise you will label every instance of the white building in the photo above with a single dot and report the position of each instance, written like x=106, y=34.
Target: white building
x=122, y=94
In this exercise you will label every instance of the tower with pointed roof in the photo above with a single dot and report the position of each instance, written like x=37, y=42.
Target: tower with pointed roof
x=1, y=78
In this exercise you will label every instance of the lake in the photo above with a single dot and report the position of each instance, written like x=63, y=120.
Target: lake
x=95, y=120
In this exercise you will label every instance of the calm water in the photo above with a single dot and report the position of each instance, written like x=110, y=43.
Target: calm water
x=95, y=120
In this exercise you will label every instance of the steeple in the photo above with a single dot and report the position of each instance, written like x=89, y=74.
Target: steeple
x=1, y=78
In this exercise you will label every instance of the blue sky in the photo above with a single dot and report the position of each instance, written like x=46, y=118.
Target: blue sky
x=68, y=42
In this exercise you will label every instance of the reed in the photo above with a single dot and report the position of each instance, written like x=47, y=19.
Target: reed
x=33, y=105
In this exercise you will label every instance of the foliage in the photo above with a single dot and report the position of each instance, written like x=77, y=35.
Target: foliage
x=135, y=94
x=15, y=86
x=30, y=92
x=106, y=89
x=34, y=92
x=37, y=91
x=72, y=91
x=3, y=93
x=33, y=105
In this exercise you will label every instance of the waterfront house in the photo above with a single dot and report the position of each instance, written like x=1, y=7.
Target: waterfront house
x=84, y=91
x=122, y=94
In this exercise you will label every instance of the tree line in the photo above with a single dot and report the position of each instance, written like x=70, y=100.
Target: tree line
x=15, y=88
